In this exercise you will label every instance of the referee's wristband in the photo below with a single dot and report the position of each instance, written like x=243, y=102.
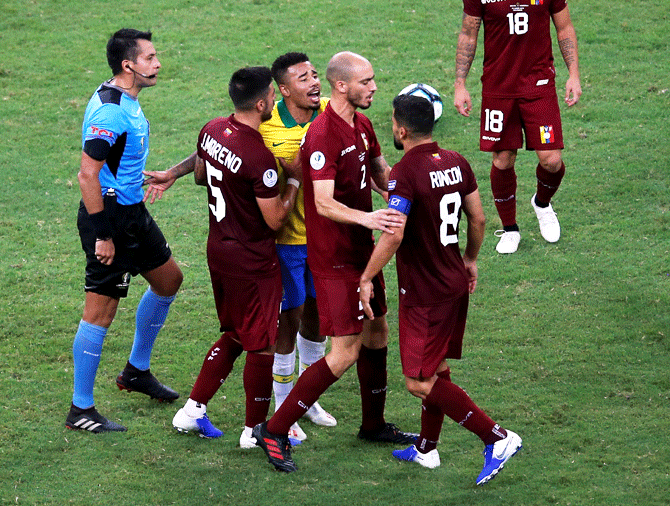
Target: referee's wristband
x=293, y=181
x=101, y=225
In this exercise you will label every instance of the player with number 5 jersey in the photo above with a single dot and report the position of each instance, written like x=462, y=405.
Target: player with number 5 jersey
x=245, y=209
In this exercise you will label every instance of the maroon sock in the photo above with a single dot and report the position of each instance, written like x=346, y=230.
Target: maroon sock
x=215, y=368
x=548, y=183
x=431, y=426
x=503, y=187
x=257, y=380
x=371, y=369
x=457, y=405
x=310, y=385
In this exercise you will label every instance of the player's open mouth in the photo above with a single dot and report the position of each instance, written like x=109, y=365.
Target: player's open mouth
x=315, y=95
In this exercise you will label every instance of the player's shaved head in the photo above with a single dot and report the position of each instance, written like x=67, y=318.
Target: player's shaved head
x=343, y=66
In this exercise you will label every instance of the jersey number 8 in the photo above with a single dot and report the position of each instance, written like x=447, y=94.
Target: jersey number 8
x=450, y=211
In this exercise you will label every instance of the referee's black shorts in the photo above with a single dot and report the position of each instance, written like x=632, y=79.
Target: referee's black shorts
x=138, y=242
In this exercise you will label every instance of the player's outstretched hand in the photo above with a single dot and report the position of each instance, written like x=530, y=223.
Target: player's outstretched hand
x=293, y=169
x=157, y=182
x=471, y=268
x=366, y=293
x=573, y=90
x=384, y=219
x=462, y=101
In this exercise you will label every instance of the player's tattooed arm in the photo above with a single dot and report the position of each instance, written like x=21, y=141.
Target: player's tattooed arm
x=567, y=42
x=569, y=51
x=379, y=175
x=467, y=46
x=465, y=54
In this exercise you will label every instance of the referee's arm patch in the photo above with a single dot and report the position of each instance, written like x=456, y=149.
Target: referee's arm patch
x=400, y=204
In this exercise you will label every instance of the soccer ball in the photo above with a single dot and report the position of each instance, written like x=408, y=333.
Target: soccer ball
x=427, y=92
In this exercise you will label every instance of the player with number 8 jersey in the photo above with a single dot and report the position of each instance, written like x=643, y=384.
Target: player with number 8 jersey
x=434, y=182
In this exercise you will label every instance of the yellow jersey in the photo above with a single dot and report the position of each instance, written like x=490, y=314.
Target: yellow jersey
x=283, y=136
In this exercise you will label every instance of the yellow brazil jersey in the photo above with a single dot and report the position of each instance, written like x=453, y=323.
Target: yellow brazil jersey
x=282, y=135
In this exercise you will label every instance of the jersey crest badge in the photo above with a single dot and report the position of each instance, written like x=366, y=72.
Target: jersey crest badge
x=365, y=141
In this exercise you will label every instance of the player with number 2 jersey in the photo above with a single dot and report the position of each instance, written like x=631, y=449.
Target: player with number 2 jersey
x=333, y=150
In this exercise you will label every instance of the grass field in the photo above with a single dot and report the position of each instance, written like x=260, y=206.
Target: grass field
x=567, y=344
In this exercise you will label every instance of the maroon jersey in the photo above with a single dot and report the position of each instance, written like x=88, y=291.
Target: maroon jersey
x=429, y=185
x=518, y=60
x=239, y=169
x=333, y=150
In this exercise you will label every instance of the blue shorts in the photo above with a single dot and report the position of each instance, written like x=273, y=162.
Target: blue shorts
x=296, y=277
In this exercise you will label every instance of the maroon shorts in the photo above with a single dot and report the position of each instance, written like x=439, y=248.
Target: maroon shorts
x=340, y=309
x=504, y=122
x=430, y=334
x=249, y=308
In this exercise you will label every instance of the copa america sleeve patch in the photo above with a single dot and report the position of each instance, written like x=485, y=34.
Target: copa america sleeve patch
x=400, y=204
x=317, y=160
x=392, y=185
x=270, y=178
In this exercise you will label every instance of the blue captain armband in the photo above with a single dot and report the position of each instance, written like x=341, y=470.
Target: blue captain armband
x=400, y=204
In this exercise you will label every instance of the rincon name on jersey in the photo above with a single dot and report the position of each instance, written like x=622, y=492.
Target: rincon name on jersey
x=441, y=178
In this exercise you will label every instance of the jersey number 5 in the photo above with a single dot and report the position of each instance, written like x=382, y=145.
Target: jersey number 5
x=450, y=211
x=219, y=207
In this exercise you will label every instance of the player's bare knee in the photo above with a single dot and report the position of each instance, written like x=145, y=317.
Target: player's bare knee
x=504, y=160
x=418, y=387
x=551, y=161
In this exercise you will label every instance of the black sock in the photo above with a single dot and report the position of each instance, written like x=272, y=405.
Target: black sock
x=540, y=204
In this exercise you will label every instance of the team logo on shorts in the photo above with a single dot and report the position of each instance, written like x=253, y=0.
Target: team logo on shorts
x=270, y=178
x=547, y=134
x=317, y=160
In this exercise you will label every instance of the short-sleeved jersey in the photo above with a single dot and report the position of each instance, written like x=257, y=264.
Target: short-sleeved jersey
x=429, y=185
x=282, y=135
x=518, y=60
x=334, y=150
x=239, y=169
x=115, y=130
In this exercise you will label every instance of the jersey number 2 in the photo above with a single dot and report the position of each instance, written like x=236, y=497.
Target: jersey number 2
x=219, y=207
x=450, y=210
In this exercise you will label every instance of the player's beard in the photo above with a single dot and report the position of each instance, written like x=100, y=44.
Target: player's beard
x=267, y=114
x=398, y=145
x=359, y=101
